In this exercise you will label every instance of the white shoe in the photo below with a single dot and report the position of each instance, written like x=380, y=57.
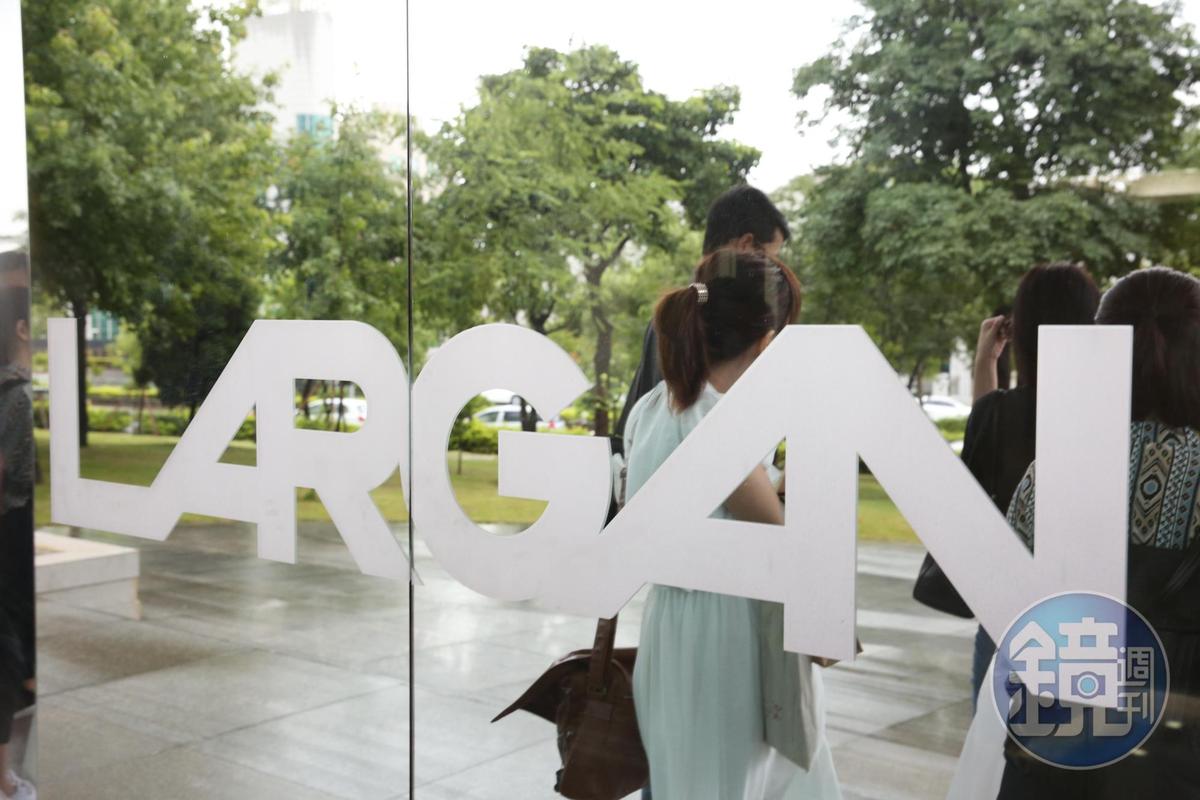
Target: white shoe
x=24, y=789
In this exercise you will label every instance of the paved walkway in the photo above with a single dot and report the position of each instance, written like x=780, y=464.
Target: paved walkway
x=250, y=679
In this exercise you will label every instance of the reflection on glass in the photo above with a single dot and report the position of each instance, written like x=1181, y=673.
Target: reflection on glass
x=17, y=461
x=195, y=166
x=17, y=647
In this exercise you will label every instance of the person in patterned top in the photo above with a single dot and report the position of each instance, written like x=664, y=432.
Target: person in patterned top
x=1163, y=308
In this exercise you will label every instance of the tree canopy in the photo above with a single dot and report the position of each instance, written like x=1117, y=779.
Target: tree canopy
x=981, y=133
x=567, y=169
x=148, y=154
x=340, y=219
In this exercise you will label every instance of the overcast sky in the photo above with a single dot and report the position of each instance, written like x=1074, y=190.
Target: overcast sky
x=681, y=47
x=12, y=124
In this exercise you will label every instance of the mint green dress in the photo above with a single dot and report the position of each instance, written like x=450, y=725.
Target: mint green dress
x=698, y=683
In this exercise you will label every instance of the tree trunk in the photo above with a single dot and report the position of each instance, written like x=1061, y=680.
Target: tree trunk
x=914, y=378
x=602, y=360
x=529, y=417
x=79, y=309
x=304, y=395
x=341, y=406
x=601, y=363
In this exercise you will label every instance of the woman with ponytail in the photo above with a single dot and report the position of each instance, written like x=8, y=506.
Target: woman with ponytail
x=709, y=664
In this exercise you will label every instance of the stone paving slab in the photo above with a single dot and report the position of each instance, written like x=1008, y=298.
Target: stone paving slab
x=273, y=680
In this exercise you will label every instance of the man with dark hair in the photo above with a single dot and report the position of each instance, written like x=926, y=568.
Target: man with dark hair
x=743, y=218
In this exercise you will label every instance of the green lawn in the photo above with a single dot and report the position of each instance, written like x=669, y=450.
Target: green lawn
x=137, y=459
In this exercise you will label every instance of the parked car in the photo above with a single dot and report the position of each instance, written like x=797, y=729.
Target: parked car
x=509, y=416
x=939, y=407
x=500, y=416
x=353, y=409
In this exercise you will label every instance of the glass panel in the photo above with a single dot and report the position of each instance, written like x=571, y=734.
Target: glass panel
x=568, y=165
x=585, y=188
x=195, y=168
x=572, y=172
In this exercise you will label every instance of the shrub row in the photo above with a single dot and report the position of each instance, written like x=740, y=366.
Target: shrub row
x=953, y=428
x=474, y=437
x=154, y=422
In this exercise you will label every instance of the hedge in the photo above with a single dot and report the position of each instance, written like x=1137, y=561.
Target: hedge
x=475, y=437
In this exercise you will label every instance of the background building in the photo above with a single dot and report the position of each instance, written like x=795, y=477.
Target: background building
x=295, y=41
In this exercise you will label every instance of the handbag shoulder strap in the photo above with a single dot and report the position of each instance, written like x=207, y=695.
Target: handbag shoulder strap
x=601, y=661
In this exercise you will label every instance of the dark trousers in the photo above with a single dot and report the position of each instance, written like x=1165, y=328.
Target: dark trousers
x=17, y=641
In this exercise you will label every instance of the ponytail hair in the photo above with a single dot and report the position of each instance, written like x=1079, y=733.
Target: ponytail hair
x=738, y=298
x=1163, y=307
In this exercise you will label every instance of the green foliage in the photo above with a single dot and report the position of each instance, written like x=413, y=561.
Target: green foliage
x=475, y=437
x=340, y=216
x=565, y=173
x=465, y=419
x=147, y=159
x=114, y=394
x=970, y=124
x=110, y=420
x=41, y=413
x=187, y=341
x=163, y=423
x=570, y=430
x=248, y=431
x=954, y=428
x=323, y=423
x=128, y=349
x=1016, y=93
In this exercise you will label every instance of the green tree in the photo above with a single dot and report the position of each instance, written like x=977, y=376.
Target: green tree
x=340, y=207
x=147, y=154
x=980, y=132
x=191, y=335
x=566, y=171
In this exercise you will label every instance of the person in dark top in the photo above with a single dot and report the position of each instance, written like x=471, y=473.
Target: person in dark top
x=998, y=444
x=1163, y=308
x=17, y=641
x=743, y=218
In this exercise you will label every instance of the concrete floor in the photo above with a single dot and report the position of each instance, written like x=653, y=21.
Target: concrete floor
x=250, y=679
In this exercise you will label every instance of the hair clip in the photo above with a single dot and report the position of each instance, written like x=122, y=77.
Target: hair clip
x=701, y=293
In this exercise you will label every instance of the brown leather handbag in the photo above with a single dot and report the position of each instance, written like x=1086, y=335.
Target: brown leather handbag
x=588, y=695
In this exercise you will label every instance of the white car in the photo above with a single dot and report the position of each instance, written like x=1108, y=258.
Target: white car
x=509, y=416
x=353, y=409
x=500, y=416
x=938, y=407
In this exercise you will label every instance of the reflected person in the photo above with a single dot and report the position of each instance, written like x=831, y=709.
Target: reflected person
x=709, y=664
x=16, y=525
x=1002, y=427
x=1163, y=308
x=743, y=218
